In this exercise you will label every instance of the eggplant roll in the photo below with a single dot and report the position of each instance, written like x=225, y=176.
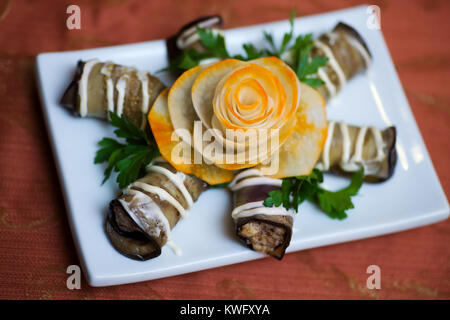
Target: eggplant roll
x=140, y=220
x=263, y=229
x=188, y=38
x=347, y=55
x=99, y=87
x=348, y=148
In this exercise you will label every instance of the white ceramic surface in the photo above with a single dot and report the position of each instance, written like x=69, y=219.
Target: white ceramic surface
x=411, y=198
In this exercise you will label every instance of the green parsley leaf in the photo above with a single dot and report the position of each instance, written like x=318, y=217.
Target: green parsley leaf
x=294, y=191
x=251, y=52
x=334, y=204
x=287, y=37
x=214, y=42
x=274, y=199
x=129, y=159
x=306, y=67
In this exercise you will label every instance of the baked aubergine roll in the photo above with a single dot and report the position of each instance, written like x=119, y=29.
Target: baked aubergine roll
x=347, y=55
x=263, y=229
x=99, y=87
x=140, y=220
x=348, y=148
x=188, y=38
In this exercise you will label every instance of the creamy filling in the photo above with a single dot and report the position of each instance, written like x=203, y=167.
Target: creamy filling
x=83, y=86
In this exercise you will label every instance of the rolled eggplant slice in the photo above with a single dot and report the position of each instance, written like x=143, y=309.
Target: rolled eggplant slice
x=263, y=229
x=188, y=38
x=99, y=87
x=140, y=220
x=348, y=148
x=347, y=55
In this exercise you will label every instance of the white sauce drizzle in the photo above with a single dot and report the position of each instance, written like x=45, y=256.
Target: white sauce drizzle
x=151, y=212
x=121, y=85
x=328, y=84
x=253, y=177
x=332, y=61
x=154, y=211
x=346, y=143
x=355, y=162
x=244, y=174
x=191, y=34
x=106, y=71
x=256, y=181
x=177, y=179
x=257, y=207
x=175, y=248
x=162, y=194
x=143, y=78
x=325, y=164
x=83, y=86
x=358, y=46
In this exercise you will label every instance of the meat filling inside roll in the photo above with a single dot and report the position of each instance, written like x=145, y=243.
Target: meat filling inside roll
x=261, y=228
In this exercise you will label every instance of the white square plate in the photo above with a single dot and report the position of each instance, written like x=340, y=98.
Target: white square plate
x=412, y=197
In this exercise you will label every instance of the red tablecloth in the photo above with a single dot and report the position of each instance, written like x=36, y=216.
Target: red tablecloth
x=35, y=242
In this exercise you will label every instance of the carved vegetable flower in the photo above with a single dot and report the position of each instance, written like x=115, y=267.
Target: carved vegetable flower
x=234, y=114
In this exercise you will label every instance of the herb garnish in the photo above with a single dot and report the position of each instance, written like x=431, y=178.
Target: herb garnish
x=304, y=66
x=214, y=44
x=295, y=190
x=130, y=159
x=287, y=37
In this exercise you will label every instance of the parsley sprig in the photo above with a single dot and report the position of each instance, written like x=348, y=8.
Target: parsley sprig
x=287, y=37
x=304, y=66
x=129, y=159
x=296, y=190
x=215, y=47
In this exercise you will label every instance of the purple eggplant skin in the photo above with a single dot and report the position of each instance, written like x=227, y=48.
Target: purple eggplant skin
x=172, y=49
x=341, y=26
x=388, y=166
x=126, y=237
x=70, y=96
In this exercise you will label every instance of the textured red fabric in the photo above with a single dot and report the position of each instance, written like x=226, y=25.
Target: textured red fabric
x=35, y=242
